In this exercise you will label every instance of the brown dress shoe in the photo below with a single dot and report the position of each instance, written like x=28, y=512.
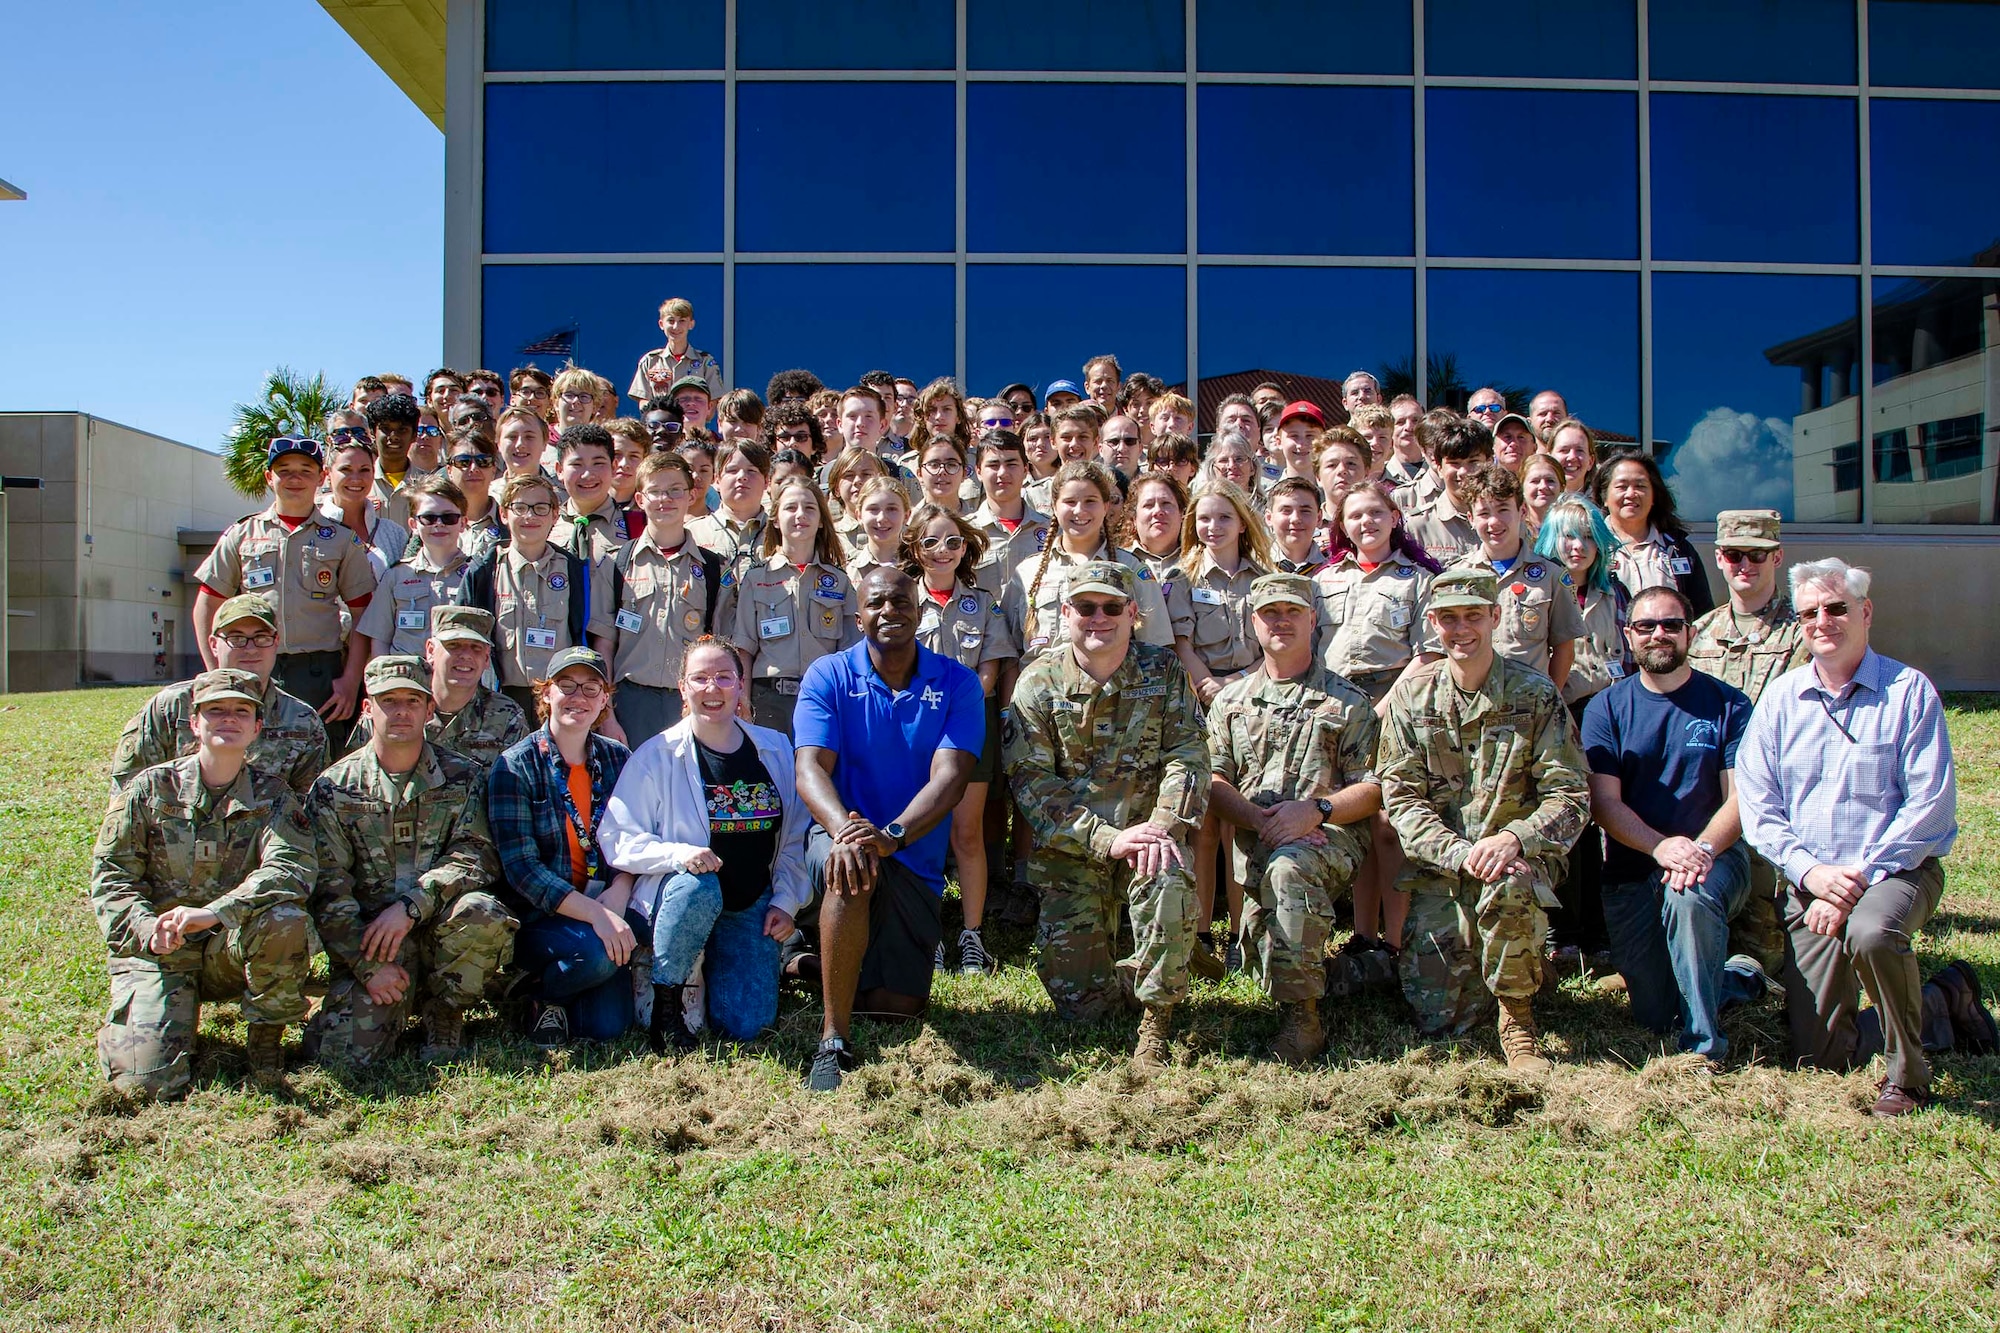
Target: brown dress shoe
x=1896, y=1099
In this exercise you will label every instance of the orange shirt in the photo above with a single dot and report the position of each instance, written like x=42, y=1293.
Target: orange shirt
x=579, y=791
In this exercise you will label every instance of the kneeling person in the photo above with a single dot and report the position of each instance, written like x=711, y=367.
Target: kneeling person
x=466, y=716
x=1484, y=784
x=1292, y=747
x=199, y=880
x=1107, y=760
x=405, y=865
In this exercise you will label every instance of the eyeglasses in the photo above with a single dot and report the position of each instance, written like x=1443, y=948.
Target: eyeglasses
x=1092, y=610
x=439, y=518
x=1827, y=610
x=726, y=681
x=537, y=509
x=262, y=639
x=1490, y=409
x=429, y=432
x=802, y=435
x=952, y=542
x=588, y=689
x=488, y=391
x=1731, y=557
x=1665, y=624
x=347, y=435
x=939, y=467
x=678, y=494
x=902, y=397
x=579, y=396
x=467, y=462
x=663, y=428
x=997, y=423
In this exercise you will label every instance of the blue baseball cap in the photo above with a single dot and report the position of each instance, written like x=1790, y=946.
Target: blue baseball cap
x=293, y=444
x=1062, y=386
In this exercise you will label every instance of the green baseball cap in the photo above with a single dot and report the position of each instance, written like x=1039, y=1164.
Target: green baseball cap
x=688, y=382
x=579, y=657
x=1271, y=589
x=229, y=683
x=1747, y=529
x=247, y=606
x=1105, y=576
x=462, y=624
x=396, y=671
x=1464, y=587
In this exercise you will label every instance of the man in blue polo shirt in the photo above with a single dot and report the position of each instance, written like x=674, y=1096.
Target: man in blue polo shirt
x=887, y=735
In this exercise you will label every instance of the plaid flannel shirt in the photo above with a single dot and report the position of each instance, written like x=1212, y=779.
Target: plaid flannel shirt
x=525, y=810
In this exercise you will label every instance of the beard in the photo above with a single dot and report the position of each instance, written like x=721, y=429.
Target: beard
x=1661, y=660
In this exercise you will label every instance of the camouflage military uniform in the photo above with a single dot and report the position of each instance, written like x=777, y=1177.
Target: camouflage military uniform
x=420, y=838
x=1456, y=768
x=291, y=748
x=1293, y=740
x=246, y=854
x=479, y=731
x=1086, y=761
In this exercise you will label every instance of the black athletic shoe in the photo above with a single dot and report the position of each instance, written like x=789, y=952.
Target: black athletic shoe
x=830, y=1063
x=551, y=1028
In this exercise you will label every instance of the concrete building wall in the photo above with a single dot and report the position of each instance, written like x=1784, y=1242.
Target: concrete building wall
x=95, y=569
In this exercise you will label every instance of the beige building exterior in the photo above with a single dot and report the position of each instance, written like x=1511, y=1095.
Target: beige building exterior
x=98, y=589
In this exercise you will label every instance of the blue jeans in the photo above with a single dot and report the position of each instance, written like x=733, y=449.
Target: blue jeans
x=1672, y=949
x=741, y=973
x=572, y=969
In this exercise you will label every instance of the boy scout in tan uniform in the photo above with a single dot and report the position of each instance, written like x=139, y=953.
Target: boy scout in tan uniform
x=1005, y=551
x=1749, y=641
x=665, y=602
x=292, y=743
x=736, y=540
x=398, y=618
x=401, y=901
x=1221, y=632
x=1088, y=762
x=199, y=881
x=786, y=619
x=467, y=718
x=1371, y=621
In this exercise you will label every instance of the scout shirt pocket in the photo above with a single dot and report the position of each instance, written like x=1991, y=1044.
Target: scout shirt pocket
x=1389, y=606
x=261, y=561
x=967, y=641
x=825, y=607
x=1214, y=624
x=319, y=571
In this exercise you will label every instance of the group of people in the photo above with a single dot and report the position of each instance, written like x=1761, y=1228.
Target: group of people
x=724, y=691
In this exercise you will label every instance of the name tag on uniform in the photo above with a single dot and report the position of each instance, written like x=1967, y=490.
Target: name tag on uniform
x=207, y=851
x=628, y=621
x=1147, y=692
x=259, y=578
x=1399, y=616
x=410, y=619
x=1206, y=596
x=1679, y=565
x=539, y=638
x=405, y=830
x=777, y=627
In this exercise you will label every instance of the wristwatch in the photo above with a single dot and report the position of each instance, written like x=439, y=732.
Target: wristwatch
x=1705, y=845
x=1325, y=807
x=895, y=832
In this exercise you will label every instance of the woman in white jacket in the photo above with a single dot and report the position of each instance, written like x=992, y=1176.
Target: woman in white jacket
x=707, y=815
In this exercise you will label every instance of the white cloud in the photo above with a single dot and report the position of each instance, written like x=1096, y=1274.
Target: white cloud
x=1733, y=460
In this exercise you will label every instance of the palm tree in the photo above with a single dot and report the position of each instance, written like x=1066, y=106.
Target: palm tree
x=291, y=405
x=1444, y=383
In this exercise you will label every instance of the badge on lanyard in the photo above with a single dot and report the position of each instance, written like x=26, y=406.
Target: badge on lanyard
x=1399, y=616
x=410, y=619
x=1679, y=565
x=1206, y=596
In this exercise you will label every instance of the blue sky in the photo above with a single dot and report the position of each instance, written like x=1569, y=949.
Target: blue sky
x=213, y=191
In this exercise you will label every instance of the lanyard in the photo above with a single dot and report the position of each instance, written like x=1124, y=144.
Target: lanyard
x=575, y=816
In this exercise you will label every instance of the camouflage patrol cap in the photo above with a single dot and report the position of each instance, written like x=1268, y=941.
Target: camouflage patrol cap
x=1105, y=576
x=1270, y=589
x=229, y=683
x=396, y=671
x=462, y=624
x=1464, y=587
x=246, y=606
x=1747, y=529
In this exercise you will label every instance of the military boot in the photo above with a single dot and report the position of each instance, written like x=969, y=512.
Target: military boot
x=444, y=1032
x=1203, y=962
x=264, y=1043
x=1152, y=1049
x=1300, y=1039
x=1518, y=1036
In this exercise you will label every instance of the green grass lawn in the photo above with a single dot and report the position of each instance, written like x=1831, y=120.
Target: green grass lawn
x=993, y=1168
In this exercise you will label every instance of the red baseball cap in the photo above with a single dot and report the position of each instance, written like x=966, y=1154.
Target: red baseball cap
x=1302, y=408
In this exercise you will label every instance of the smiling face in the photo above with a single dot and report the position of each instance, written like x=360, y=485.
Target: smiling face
x=798, y=515
x=1498, y=523
x=1836, y=624
x=711, y=682
x=1097, y=622
x=457, y=665
x=353, y=476
x=294, y=478
x=1341, y=467
x=398, y=716
x=1368, y=521
x=1512, y=446
x=585, y=473
x=1541, y=485
x=625, y=459
x=228, y=725
x=1156, y=517
x=942, y=472
x=888, y=611
x=1294, y=520
x=1751, y=574
x=1466, y=632
x=1217, y=527
x=1629, y=495
x=522, y=443
x=940, y=546
x=882, y=517
x=1074, y=441
x=1572, y=448
x=1233, y=463
x=576, y=697
x=1080, y=510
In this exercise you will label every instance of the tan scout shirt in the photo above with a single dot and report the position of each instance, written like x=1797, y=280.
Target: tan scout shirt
x=1004, y=549
x=1750, y=651
x=398, y=620
x=1538, y=609
x=1041, y=626
x=968, y=627
x=660, y=611
x=1414, y=495
x=531, y=612
x=732, y=539
x=1167, y=572
x=1222, y=637
x=604, y=527
x=1600, y=652
x=1372, y=620
x=1445, y=533
x=659, y=368
x=1648, y=564
x=788, y=618
x=307, y=573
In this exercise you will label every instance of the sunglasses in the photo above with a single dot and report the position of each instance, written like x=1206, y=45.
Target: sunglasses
x=1826, y=610
x=663, y=428
x=794, y=437
x=1490, y=409
x=467, y=462
x=1666, y=624
x=1092, y=610
x=429, y=432
x=951, y=543
x=347, y=435
x=1744, y=557
x=1121, y=439
x=443, y=518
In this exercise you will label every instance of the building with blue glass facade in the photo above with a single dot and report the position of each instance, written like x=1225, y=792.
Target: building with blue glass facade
x=1762, y=234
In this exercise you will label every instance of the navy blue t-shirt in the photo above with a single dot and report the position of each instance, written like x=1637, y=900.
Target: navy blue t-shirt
x=1669, y=751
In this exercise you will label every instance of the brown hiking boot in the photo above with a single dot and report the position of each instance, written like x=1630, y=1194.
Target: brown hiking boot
x=1300, y=1039
x=1203, y=962
x=1517, y=1038
x=1152, y=1048
x=264, y=1043
x=1973, y=1028
x=444, y=1033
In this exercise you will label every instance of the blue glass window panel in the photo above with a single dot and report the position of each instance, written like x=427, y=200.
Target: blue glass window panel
x=1575, y=332
x=846, y=34
x=579, y=167
x=1304, y=37
x=1754, y=377
x=1932, y=393
x=1800, y=151
x=1936, y=195
x=1532, y=174
x=1144, y=35
x=842, y=320
x=1040, y=322
x=1348, y=187
x=1932, y=44
x=1281, y=319
x=1753, y=41
x=845, y=166
x=603, y=34
x=613, y=310
x=1578, y=39
x=1024, y=139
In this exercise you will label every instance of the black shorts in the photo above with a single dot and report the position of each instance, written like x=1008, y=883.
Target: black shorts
x=905, y=923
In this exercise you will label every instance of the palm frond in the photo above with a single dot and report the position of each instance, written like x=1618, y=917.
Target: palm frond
x=291, y=404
